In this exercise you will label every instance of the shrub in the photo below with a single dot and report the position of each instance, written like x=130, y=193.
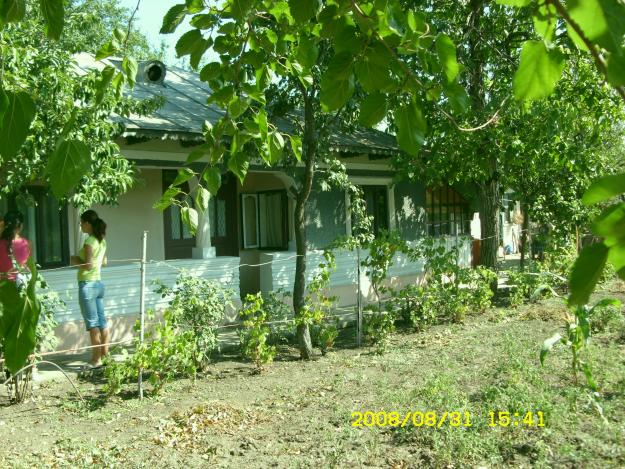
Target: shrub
x=530, y=286
x=279, y=318
x=255, y=332
x=378, y=327
x=197, y=305
x=167, y=352
x=51, y=303
x=323, y=335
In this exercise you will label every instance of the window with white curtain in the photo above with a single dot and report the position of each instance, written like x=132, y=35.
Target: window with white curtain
x=265, y=220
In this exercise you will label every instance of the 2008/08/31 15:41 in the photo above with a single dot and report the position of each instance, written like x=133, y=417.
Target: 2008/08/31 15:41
x=516, y=419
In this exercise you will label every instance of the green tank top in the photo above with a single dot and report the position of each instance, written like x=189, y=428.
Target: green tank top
x=98, y=249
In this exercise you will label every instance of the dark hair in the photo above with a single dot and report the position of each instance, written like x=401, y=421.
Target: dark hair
x=98, y=225
x=13, y=220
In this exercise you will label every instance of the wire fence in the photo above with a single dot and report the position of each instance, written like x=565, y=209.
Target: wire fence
x=346, y=313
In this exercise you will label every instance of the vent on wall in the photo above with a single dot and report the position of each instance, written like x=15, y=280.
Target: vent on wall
x=151, y=71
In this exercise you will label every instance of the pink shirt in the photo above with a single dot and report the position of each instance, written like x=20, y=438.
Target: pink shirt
x=21, y=251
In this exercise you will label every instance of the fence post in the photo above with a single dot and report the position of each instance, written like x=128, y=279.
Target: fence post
x=358, y=301
x=142, y=306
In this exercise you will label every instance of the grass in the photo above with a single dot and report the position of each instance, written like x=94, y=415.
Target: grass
x=299, y=414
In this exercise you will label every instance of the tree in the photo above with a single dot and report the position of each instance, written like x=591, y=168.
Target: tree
x=54, y=127
x=598, y=27
x=59, y=131
x=319, y=63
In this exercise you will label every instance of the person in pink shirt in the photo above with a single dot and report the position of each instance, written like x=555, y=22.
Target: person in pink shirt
x=14, y=250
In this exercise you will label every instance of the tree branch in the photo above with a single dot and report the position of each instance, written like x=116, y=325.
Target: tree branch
x=132, y=17
x=594, y=51
x=356, y=8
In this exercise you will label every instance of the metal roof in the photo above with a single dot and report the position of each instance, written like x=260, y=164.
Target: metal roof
x=185, y=110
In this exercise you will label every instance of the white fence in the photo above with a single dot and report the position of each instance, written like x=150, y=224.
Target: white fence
x=278, y=271
x=123, y=282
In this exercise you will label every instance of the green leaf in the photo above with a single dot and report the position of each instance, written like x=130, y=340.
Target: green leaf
x=184, y=174
x=616, y=68
x=167, y=198
x=296, y=146
x=173, y=18
x=411, y=128
x=340, y=67
x=189, y=42
x=547, y=346
x=118, y=84
x=18, y=115
x=586, y=273
x=202, y=198
x=67, y=165
x=457, y=96
x=373, y=109
x=307, y=52
x=335, y=94
x=515, y=3
x=194, y=6
x=337, y=83
x=190, y=218
x=130, y=68
x=210, y=71
x=53, y=12
x=303, y=10
x=616, y=257
x=539, y=71
x=604, y=189
x=240, y=9
x=106, y=75
x=212, y=176
x=198, y=154
x=446, y=50
x=238, y=106
x=601, y=21
x=276, y=147
x=372, y=77
x=611, y=222
x=20, y=314
x=239, y=164
x=12, y=11
x=261, y=120
x=589, y=378
x=4, y=104
x=203, y=21
x=545, y=21
x=107, y=49
x=605, y=302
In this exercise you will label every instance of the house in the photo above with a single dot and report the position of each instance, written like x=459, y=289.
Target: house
x=247, y=240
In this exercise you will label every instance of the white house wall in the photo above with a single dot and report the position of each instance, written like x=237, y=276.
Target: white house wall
x=127, y=221
x=278, y=270
x=122, y=296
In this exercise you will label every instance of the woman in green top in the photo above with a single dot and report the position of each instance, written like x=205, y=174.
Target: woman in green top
x=90, y=288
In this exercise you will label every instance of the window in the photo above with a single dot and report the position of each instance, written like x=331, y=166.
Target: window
x=376, y=206
x=45, y=226
x=447, y=212
x=265, y=220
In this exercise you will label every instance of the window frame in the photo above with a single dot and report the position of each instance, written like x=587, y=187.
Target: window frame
x=38, y=245
x=387, y=182
x=259, y=226
x=450, y=199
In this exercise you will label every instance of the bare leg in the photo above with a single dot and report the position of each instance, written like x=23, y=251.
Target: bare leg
x=104, y=336
x=95, y=340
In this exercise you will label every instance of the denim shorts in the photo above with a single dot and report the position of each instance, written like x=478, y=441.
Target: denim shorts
x=91, y=299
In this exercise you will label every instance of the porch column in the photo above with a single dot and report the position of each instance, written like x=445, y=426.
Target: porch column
x=203, y=248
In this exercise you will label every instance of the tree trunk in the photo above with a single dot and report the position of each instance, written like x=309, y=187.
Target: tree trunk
x=309, y=145
x=525, y=229
x=489, y=222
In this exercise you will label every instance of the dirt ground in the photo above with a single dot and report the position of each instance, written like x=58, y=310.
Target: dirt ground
x=299, y=414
